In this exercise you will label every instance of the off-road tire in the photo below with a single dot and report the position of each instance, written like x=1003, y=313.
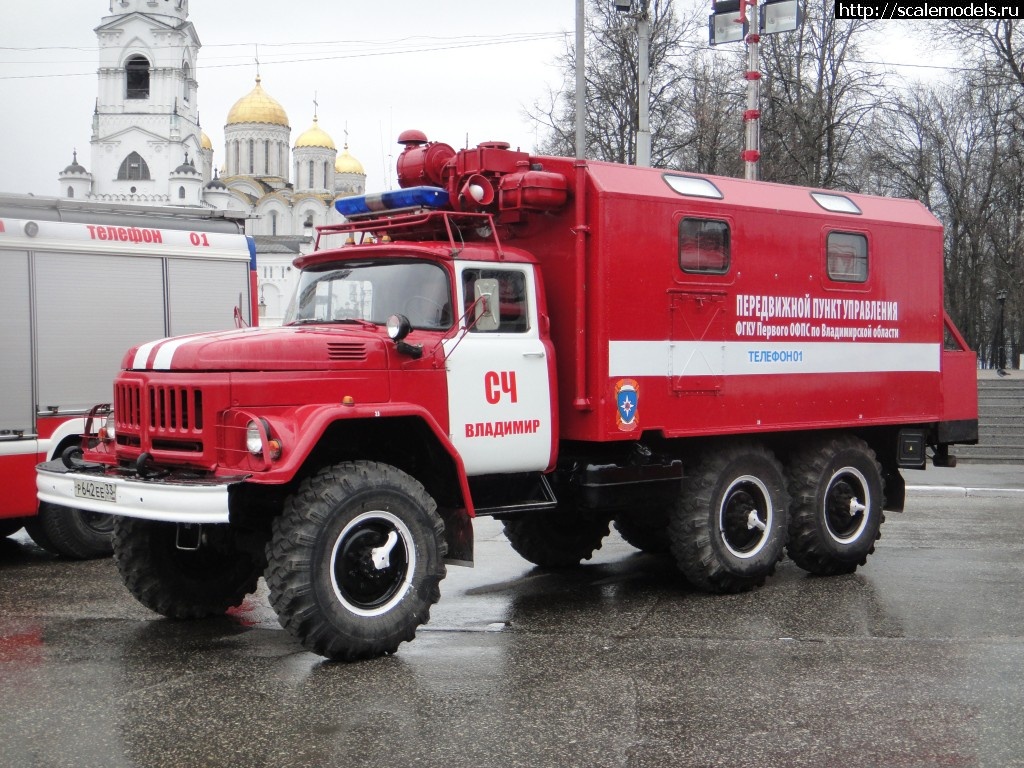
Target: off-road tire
x=72, y=533
x=183, y=583
x=646, y=530
x=838, y=492
x=560, y=538
x=324, y=584
x=715, y=532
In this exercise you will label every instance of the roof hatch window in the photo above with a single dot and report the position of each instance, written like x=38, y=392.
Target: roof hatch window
x=835, y=203
x=692, y=186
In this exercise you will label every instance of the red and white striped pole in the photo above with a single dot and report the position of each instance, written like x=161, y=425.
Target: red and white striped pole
x=752, y=116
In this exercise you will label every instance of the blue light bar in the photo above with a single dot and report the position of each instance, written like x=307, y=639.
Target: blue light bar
x=413, y=197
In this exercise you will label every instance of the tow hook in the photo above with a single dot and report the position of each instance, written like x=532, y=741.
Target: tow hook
x=188, y=537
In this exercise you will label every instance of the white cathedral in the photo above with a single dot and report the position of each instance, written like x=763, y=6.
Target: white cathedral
x=148, y=147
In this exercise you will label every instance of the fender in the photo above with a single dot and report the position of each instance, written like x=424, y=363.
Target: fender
x=301, y=428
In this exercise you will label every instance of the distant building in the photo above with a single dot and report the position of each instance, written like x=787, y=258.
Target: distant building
x=148, y=147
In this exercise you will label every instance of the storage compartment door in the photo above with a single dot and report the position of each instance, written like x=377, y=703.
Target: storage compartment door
x=17, y=406
x=203, y=294
x=90, y=309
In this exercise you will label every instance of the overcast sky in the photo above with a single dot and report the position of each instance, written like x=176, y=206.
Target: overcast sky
x=450, y=68
x=456, y=69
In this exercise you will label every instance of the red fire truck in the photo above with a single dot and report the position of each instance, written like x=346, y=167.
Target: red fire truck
x=61, y=262
x=726, y=370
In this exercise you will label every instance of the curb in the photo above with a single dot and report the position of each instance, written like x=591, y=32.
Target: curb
x=964, y=492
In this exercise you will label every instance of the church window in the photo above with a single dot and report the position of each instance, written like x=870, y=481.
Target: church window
x=136, y=71
x=311, y=184
x=187, y=71
x=181, y=193
x=238, y=161
x=273, y=222
x=252, y=156
x=71, y=191
x=133, y=168
x=325, y=175
x=266, y=157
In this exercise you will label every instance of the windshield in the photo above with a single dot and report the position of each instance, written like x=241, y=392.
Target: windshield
x=371, y=292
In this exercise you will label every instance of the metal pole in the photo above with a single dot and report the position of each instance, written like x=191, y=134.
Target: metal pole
x=581, y=84
x=1000, y=360
x=643, y=134
x=752, y=117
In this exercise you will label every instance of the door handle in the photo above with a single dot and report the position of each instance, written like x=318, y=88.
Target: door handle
x=533, y=354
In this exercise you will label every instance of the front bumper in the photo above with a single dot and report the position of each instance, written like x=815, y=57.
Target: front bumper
x=114, y=491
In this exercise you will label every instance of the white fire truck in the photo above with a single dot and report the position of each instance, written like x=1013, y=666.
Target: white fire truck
x=79, y=283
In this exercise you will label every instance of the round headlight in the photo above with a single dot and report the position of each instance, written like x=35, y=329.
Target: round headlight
x=108, y=432
x=253, y=440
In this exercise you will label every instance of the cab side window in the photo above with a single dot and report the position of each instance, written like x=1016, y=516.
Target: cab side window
x=513, y=308
x=704, y=246
x=847, y=257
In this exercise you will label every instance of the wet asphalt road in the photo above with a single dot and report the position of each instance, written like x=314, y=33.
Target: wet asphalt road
x=915, y=660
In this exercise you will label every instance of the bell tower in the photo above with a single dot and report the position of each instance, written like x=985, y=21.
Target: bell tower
x=146, y=120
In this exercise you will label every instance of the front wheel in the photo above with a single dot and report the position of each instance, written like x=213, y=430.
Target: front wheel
x=183, y=576
x=838, y=498
x=728, y=531
x=356, y=560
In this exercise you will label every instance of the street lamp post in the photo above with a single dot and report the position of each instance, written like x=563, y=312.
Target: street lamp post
x=747, y=20
x=581, y=84
x=643, y=108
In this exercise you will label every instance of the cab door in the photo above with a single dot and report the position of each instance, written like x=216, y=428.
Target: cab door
x=499, y=387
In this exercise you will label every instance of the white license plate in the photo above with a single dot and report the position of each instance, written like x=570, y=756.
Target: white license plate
x=91, y=489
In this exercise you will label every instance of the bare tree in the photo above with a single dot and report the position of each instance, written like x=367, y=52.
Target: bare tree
x=816, y=100
x=681, y=104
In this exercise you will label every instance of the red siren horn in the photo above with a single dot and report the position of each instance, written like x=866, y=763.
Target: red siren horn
x=476, y=192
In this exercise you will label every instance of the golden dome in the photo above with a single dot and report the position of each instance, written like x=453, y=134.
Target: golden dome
x=348, y=164
x=257, y=107
x=315, y=137
x=204, y=140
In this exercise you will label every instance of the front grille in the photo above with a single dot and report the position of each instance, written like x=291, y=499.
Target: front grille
x=346, y=351
x=176, y=409
x=159, y=417
x=128, y=405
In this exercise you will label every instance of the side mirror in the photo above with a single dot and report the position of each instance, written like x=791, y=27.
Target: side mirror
x=485, y=312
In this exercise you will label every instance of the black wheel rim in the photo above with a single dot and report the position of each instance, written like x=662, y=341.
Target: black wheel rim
x=745, y=517
x=372, y=563
x=847, y=503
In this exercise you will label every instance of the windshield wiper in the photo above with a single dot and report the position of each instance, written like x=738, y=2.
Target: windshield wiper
x=336, y=321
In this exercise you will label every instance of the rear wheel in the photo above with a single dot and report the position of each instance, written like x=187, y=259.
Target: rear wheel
x=189, y=583
x=838, y=499
x=646, y=530
x=728, y=531
x=73, y=533
x=560, y=538
x=356, y=560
